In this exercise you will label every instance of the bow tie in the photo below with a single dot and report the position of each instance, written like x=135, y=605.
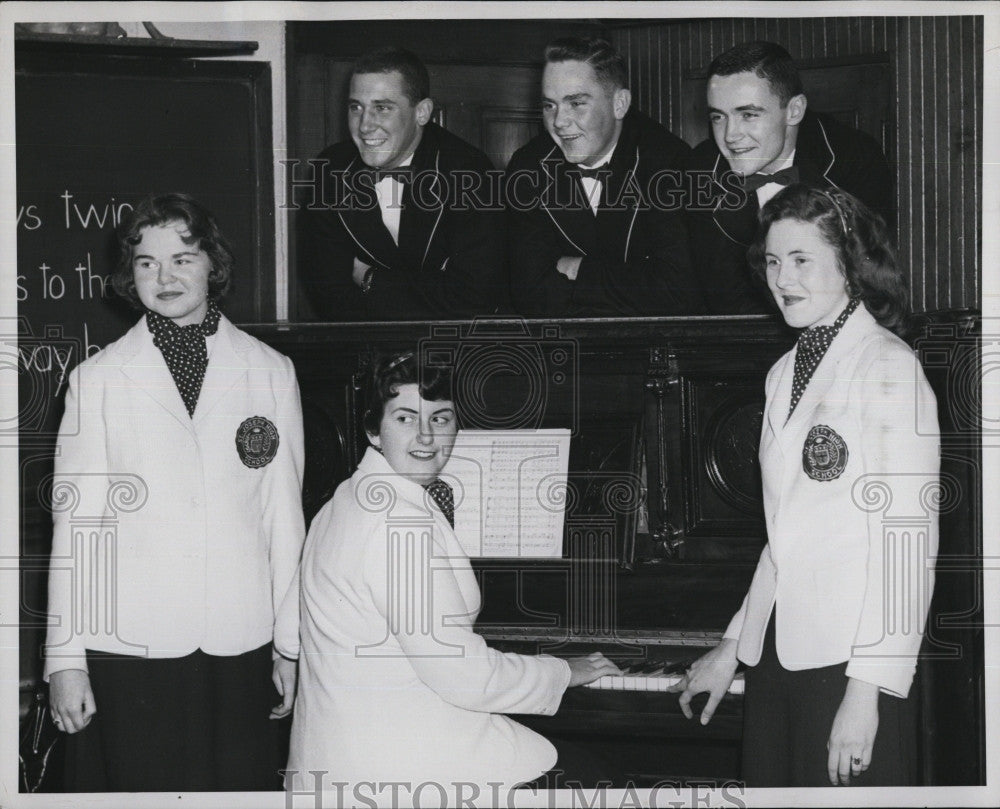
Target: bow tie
x=594, y=173
x=784, y=177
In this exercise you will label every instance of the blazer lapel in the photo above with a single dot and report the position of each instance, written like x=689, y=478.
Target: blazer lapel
x=419, y=223
x=739, y=225
x=227, y=367
x=622, y=195
x=570, y=212
x=365, y=226
x=146, y=367
x=813, y=153
x=781, y=396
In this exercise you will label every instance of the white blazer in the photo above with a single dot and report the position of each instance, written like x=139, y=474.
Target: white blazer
x=850, y=488
x=165, y=539
x=394, y=684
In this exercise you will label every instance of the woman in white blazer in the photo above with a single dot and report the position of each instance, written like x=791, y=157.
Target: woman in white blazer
x=178, y=527
x=395, y=687
x=833, y=621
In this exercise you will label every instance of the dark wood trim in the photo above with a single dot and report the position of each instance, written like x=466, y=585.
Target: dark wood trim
x=140, y=46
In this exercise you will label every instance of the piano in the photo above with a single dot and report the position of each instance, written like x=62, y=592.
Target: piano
x=663, y=521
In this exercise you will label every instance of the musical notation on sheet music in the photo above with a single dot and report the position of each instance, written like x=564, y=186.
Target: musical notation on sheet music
x=512, y=491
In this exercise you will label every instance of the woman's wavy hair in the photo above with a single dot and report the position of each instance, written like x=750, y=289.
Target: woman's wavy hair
x=163, y=209
x=391, y=371
x=861, y=242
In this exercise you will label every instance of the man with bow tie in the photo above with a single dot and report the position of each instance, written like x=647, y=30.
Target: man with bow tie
x=411, y=223
x=764, y=137
x=594, y=206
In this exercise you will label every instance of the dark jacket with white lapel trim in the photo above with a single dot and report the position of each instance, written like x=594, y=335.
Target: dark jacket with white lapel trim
x=449, y=260
x=635, y=251
x=827, y=153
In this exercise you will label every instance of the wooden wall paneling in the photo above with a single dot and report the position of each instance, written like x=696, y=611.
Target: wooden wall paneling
x=969, y=55
x=335, y=99
x=961, y=110
x=906, y=145
x=925, y=158
x=505, y=129
x=496, y=117
x=939, y=283
x=309, y=133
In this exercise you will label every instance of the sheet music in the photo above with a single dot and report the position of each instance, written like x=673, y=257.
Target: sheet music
x=510, y=491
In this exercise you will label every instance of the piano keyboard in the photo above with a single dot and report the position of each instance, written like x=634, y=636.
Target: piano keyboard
x=652, y=675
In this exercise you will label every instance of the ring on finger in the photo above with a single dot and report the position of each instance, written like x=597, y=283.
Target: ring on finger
x=856, y=761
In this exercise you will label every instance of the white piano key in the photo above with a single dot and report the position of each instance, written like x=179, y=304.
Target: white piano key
x=651, y=682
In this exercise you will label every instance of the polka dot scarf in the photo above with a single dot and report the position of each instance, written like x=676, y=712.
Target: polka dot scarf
x=184, y=350
x=810, y=350
x=442, y=494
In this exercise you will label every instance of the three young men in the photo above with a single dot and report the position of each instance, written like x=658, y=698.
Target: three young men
x=594, y=217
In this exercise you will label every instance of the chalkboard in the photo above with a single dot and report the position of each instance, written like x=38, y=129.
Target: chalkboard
x=95, y=134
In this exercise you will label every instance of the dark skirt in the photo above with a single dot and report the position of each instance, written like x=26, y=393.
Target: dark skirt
x=187, y=724
x=787, y=717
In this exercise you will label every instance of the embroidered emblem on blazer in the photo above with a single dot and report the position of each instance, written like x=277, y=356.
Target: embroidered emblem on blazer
x=257, y=442
x=824, y=454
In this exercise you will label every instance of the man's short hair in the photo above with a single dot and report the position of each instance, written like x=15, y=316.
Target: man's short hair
x=416, y=82
x=607, y=63
x=768, y=60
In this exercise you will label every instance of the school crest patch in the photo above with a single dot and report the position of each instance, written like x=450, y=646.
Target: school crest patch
x=824, y=454
x=257, y=442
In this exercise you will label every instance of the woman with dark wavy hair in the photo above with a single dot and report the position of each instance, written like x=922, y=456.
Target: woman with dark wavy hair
x=395, y=685
x=832, y=624
x=176, y=597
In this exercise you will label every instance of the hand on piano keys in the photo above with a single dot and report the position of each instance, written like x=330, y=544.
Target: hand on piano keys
x=652, y=675
x=584, y=670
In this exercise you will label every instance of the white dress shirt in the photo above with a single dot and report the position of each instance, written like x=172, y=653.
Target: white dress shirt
x=592, y=187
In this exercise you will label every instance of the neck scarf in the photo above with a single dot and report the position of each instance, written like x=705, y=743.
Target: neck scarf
x=810, y=350
x=442, y=494
x=184, y=350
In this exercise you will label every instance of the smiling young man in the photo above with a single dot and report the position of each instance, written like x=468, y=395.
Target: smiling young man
x=411, y=226
x=595, y=218
x=765, y=134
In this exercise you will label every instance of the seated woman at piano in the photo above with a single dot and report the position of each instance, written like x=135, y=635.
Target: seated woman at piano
x=394, y=684
x=832, y=624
